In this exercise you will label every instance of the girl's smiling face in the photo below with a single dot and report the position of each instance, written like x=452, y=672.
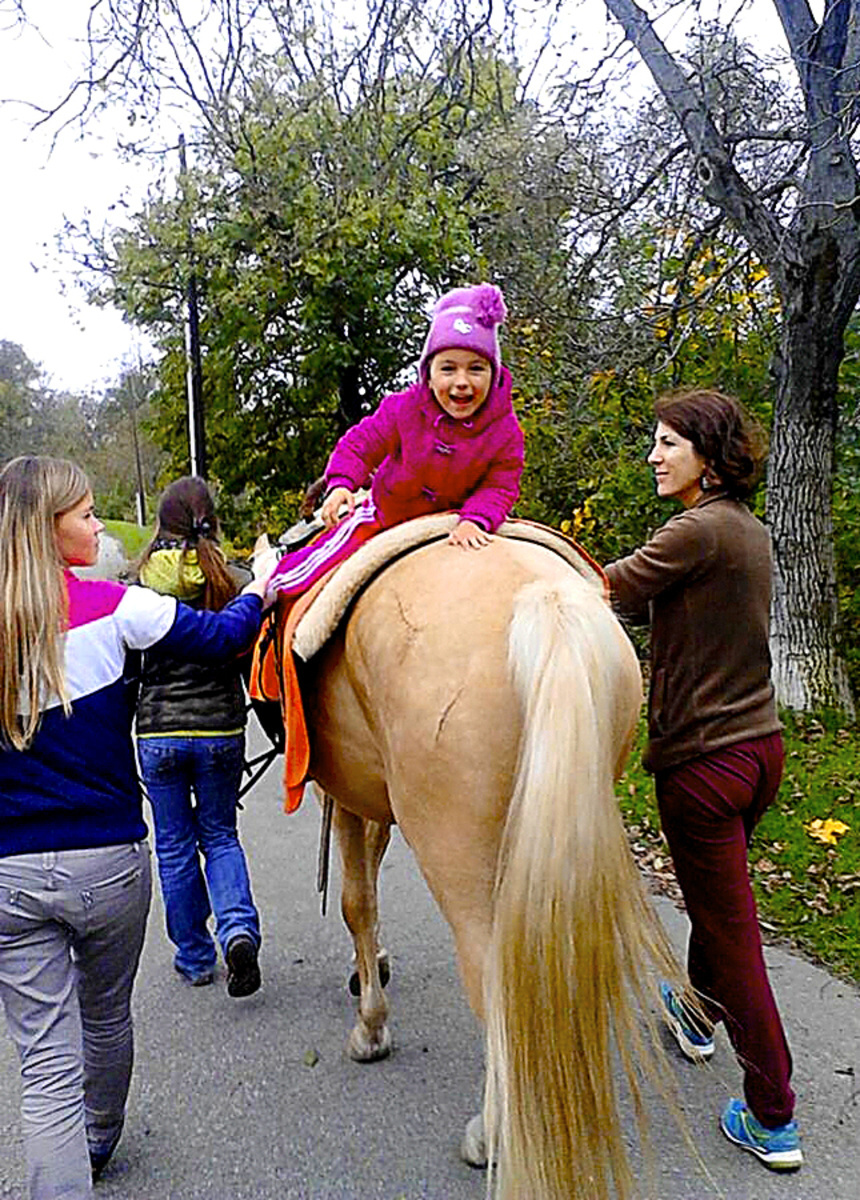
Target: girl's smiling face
x=460, y=380
x=77, y=532
x=678, y=466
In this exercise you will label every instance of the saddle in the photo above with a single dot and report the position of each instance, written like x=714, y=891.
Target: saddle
x=299, y=629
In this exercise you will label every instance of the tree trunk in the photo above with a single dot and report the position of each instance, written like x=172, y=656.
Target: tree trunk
x=807, y=671
x=350, y=396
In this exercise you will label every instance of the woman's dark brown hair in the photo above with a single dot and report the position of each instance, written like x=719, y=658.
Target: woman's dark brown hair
x=730, y=441
x=186, y=516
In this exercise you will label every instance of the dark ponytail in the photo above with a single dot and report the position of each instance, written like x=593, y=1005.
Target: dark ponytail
x=186, y=515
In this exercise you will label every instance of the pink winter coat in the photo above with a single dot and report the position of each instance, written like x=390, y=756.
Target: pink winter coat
x=424, y=461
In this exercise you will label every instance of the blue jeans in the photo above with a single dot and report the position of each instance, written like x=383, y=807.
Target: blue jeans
x=210, y=769
x=71, y=931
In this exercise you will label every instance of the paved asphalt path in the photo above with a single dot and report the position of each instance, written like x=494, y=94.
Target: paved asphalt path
x=257, y=1100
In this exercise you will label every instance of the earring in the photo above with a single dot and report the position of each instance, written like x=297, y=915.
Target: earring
x=704, y=482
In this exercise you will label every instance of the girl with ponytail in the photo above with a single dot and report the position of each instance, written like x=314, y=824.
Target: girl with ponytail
x=191, y=747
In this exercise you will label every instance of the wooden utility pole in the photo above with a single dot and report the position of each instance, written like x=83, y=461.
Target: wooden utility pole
x=133, y=378
x=194, y=369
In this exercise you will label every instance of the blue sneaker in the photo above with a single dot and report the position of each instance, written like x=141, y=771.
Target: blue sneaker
x=694, y=1044
x=779, y=1149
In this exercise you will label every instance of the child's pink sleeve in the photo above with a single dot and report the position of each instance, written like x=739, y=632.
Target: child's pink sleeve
x=491, y=502
x=363, y=447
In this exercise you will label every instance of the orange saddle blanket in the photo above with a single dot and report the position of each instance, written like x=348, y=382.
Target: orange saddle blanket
x=274, y=678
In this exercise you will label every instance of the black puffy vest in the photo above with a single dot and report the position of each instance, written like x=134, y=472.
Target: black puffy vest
x=182, y=697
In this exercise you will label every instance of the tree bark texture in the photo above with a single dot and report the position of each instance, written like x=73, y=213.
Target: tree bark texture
x=807, y=670
x=814, y=262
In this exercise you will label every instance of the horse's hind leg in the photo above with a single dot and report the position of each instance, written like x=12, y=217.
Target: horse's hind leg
x=362, y=845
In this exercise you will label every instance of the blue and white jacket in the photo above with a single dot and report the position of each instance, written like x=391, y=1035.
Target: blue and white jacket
x=75, y=786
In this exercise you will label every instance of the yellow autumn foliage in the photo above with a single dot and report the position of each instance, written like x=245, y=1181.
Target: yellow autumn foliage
x=827, y=831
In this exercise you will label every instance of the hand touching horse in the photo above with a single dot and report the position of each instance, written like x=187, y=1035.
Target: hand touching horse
x=485, y=701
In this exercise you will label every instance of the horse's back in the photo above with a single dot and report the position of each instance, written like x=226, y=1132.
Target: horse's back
x=418, y=683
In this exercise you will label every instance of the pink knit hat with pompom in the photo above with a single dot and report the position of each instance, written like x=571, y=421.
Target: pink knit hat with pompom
x=467, y=319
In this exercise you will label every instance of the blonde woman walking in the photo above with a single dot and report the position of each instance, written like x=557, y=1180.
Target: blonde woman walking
x=74, y=864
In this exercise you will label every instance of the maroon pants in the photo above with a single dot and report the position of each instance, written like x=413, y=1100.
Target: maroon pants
x=709, y=808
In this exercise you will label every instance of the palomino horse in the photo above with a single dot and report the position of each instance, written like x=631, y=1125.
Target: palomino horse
x=485, y=701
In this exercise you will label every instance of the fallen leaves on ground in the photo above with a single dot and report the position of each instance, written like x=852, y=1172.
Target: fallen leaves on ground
x=654, y=861
x=827, y=831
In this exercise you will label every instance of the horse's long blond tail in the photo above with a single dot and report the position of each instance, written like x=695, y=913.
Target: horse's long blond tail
x=576, y=945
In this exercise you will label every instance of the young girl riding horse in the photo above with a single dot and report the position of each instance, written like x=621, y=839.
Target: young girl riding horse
x=451, y=441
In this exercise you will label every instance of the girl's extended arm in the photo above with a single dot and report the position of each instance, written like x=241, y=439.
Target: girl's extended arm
x=146, y=619
x=492, y=500
x=469, y=536
x=362, y=448
x=203, y=636
x=334, y=501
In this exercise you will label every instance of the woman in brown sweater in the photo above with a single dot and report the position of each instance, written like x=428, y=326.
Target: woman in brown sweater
x=703, y=583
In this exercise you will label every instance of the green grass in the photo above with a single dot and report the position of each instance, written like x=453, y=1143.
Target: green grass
x=132, y=536
x=807, y=892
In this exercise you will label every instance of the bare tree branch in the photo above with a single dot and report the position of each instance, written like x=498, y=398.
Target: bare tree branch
x=721, y=182
x=800, y=28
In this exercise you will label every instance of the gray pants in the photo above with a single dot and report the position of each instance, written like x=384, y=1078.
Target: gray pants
x=71, y=932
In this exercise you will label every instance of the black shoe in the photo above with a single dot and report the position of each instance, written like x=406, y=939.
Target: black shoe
x=99, y=1159
x=243, y=972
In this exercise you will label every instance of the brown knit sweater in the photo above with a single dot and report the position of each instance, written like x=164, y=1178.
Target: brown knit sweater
x=703, y=582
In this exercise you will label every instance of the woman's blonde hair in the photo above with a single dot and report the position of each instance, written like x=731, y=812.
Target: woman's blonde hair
x=34, y=491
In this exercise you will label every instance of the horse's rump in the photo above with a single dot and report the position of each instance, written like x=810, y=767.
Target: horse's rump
x=416, y=684
x=345, y=583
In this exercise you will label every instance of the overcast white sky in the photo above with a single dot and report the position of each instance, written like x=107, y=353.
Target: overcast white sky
x=80, y=347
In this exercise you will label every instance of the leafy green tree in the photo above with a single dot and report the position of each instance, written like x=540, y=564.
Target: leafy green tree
x=23, y=402
x=123, y=461
x=317, y=242
x=35, y=419
x=99, y=433
x=778, y=167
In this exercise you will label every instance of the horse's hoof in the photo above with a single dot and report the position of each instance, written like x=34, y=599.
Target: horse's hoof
x=362, y=1048
x=354, y=981
x=473, y=1148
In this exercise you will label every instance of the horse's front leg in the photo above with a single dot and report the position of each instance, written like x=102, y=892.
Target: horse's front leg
x=362, y=845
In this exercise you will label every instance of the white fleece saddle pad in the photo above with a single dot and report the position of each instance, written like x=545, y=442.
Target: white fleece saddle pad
x=329, y=607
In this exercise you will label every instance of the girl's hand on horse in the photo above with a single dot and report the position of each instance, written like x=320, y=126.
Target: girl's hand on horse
x=334, y=501
x=469, y=536
x=259, y=587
